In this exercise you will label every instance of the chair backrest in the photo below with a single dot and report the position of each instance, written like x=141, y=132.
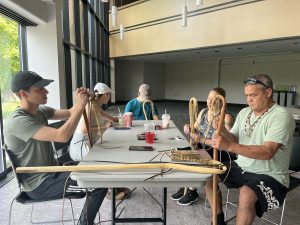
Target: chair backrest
x=61, y=150
x=59, y=145
x=23, y=198
x=295, y=155
x=13, y=165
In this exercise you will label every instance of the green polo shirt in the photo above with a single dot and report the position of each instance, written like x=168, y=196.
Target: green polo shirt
x=276, y=125
x=18, y=132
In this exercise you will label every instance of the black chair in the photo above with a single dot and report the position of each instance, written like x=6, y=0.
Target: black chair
x=294, y=167
x=61, y=150
x=23, y=198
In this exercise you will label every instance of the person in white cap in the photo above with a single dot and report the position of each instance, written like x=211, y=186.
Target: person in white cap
x=136, y=105
x=99, y=121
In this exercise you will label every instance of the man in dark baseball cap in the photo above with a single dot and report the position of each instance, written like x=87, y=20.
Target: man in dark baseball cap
x=29, y=138
x=26, y=79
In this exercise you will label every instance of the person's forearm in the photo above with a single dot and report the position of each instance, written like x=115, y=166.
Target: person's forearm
x=109, y=117
x=68, y=129
x=251, y=151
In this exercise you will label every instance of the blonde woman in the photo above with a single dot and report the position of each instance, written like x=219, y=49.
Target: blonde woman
x=204, y=128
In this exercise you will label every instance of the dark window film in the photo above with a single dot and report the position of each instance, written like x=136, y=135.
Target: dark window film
x=85, y=38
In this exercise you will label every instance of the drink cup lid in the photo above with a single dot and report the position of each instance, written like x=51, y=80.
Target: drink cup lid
x=165, y=116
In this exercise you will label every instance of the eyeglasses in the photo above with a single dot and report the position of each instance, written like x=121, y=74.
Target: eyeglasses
x=252, y=80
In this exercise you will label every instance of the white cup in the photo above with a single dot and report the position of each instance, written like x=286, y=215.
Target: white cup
x=165, y=120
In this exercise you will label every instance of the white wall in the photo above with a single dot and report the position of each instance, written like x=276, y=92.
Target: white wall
x=154, y=75
x=187, y=79
x=284, y=69
x=190, y=79
x=129, y=76
x=183, y=80
x=42, y=54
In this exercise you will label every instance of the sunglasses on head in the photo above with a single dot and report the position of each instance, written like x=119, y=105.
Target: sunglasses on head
x=252, y=80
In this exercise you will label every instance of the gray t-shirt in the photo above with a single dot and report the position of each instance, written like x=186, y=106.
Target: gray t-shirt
x=18, y=132
x=276, y=125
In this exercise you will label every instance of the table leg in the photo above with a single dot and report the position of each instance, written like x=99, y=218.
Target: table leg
x=113, y=204
x=164, y=216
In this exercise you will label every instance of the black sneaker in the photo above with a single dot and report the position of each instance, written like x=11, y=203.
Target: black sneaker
x=190, y=197
x=178, y=195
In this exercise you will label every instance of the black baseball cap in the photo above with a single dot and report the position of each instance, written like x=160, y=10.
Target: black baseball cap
x=26, y=79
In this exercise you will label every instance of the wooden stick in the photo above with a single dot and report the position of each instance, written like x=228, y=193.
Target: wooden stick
x=87, y=126
x=97, y=168
x=215, y=156
x=193, y=113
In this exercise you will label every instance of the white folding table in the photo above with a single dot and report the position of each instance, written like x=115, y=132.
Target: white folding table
x=115, y=149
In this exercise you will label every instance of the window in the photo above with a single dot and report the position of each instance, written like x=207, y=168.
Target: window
x=10, y=64
x=13, y=58
x=85, y=44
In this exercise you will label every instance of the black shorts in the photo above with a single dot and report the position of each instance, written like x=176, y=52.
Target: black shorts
x=270, y=193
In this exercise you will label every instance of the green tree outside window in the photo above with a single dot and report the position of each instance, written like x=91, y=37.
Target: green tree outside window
x=9, y=62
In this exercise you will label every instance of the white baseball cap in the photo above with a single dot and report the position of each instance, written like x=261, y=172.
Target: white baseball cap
x=102, y=88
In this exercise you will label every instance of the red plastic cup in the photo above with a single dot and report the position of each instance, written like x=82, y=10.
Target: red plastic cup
x=128, y=119
x=149, y=137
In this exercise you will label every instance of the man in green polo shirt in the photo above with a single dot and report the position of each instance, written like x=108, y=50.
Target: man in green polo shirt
x=262, y=138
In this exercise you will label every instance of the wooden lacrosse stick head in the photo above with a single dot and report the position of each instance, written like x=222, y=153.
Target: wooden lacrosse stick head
x=155, y=117
x=216, y=102
x=219, y=106
x=193, y=113
x=93, y=96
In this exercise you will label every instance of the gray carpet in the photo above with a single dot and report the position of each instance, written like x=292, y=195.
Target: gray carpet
x=140, y=204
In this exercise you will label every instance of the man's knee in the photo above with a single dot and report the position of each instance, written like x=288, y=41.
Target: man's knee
x=247, y=196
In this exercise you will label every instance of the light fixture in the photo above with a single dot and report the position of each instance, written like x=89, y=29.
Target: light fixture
x=104, y=0
x=122, y=31
x=199, y=2
x=114, y=15
x=184, y=15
